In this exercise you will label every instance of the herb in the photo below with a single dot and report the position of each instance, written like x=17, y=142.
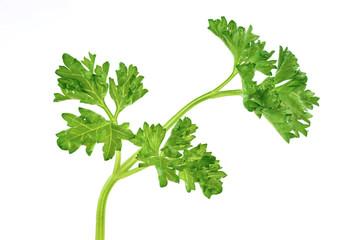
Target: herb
x=281, y=98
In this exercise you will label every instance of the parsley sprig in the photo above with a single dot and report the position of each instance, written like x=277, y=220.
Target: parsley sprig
x=281, y=98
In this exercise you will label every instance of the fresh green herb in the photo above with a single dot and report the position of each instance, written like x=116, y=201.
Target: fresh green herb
x=281, y=98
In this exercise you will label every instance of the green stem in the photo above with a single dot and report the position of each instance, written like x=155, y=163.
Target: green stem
x=237, y=92
x=185, y=109
x=196, y=101
x=131, y=172
x=107, y=110
x=117, y=162
x=234, y=73
x=117, y=111
x=130, y=162
x=102, y=202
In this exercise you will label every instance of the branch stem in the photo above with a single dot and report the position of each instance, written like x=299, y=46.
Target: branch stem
x=107, y=110
x=117, y=162
x=190, y=105
x=102, y=202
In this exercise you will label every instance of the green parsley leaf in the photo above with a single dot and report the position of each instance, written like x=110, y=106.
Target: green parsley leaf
x=237, y=39
x=151, y=138
x=129, y=88
x=242, y=43
x=84, y=84
x=180, y=138
x=198, y=165
x=90, y=128
x=283, y=99
x=177, y=160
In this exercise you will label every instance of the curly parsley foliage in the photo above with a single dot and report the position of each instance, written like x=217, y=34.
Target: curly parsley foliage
x=80, y=81
x=243, y=45
x=129, y=88
x=178, y=159
x=282, y=99
x=90, y=128
x=180, y=138
x=87, y=82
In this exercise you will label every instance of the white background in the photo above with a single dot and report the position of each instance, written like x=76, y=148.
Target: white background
x=308, y=189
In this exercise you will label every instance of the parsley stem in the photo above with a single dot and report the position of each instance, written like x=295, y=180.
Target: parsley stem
x=102, y=202
x=130, y=172
x=237, y=92
x=107, y=110
x=117, y=162
x=198, y=100
x=130, y=162
x=117, y=111
x=185, y=109
x=234, y=73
